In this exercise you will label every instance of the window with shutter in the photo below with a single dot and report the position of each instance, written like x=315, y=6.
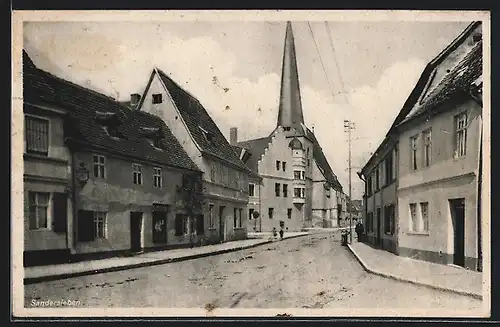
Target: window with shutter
x=60, y=212
x=85, y=225
x=200, y=226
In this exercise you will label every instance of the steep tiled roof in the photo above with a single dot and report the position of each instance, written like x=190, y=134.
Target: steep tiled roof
x=83, y=105
x=238, y=149
x=458, y=82
x=199, y=121
x=322, y=162
x=421, y=85
x=256, y=147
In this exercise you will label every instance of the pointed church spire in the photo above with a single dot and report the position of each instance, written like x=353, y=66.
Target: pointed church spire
x=290, y=107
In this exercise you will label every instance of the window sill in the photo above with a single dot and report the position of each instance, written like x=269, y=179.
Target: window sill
x=211, y=229
x=43, y=158
x=238, y=228
x=94, y=240
x=418, y=233
x=41, y=230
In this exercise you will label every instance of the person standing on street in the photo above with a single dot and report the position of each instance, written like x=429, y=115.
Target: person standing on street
x=281, y=233
x=274, y=232
x=359, y=230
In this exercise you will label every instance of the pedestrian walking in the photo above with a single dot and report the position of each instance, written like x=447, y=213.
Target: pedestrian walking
x=281, y=233
x=359, y=231
x=274, y=232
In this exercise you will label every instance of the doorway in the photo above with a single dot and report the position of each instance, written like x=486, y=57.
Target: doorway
x=457, y=210
x=135, y=231
x=159, y=227
x=379, y=234
x=222, y=224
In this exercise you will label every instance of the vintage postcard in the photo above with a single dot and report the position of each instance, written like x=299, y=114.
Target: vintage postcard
x=251, y=163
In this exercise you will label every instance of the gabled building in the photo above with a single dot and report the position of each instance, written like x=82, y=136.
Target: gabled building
x=439, y=166
x=297, y=181
x=127, y=176
x=430, y=177
x=225, y=176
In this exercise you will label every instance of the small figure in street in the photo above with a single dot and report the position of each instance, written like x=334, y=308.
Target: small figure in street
x=274, y=232
x=281, y=234
x=359, y=230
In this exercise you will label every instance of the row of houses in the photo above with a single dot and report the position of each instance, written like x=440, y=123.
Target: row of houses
x=423, y=184
x=102, y=177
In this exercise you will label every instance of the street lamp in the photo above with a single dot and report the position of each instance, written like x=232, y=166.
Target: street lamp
x=348, y=127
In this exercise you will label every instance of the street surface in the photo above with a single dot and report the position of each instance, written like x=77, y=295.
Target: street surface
x=312, y=271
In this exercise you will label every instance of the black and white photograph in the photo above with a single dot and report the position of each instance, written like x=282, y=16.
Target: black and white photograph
x=251, y=163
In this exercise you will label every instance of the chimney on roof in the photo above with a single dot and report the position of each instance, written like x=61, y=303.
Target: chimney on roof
x=134, y=99
x=233, y=136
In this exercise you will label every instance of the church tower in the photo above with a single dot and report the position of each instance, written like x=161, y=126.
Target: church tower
x=287, y=159
x=291, y=120
x=290, y=106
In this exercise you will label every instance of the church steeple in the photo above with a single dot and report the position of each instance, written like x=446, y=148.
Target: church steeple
x=290, y=107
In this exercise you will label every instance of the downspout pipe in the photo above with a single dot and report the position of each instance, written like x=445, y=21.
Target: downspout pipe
x=74, y=196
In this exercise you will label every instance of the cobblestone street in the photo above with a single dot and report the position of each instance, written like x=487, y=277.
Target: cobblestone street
x=313, y=271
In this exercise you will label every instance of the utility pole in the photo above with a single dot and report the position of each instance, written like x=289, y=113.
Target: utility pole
x=349, y=126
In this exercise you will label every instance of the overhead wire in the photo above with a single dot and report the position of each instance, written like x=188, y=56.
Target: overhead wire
x=330, y=39
x=321, y=60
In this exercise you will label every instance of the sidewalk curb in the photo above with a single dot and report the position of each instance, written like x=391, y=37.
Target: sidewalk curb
x=34, y=280
x=410, y=281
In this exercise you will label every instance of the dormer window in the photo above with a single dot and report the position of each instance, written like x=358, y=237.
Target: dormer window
x=153, y=135
x=157, y=98
x=155, y=142
x=111, y=131
x=109, y=122
x=208, y=136
x=286, y=128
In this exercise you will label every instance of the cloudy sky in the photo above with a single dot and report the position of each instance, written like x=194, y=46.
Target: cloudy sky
x=371, y=69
